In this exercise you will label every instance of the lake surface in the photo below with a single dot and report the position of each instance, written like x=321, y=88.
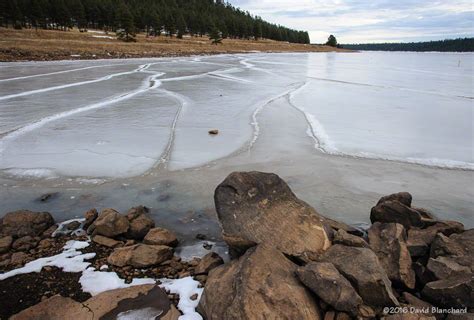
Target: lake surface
x=125, y=132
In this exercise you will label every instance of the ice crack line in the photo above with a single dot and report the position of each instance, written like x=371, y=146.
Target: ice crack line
x=75, y=84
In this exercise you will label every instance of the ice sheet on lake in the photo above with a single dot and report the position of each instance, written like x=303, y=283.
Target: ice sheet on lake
x=122, y=118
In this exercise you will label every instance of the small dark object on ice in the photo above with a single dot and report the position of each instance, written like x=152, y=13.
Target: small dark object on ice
x=201, y=236
x=213, y=131
x=207, y=246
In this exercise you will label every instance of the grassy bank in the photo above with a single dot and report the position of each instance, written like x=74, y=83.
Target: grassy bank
x=29, y=44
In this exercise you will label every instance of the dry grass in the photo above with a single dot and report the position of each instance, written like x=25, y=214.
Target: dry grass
x=28, y=44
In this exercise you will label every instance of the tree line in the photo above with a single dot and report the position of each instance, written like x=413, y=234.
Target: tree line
x=449, y=45
x=172, y=17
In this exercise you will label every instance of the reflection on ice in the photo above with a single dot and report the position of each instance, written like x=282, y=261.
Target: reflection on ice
x=124, y=118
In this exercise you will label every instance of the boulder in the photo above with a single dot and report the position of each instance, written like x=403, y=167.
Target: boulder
x=25, y=223
x=55, y=308
x=362, y=268
x=262, y=282
x=445, y=267
x=388, y=241
x=140, y=222
x=456, y=291
x=136, y=302
x=402, y=197
x=328, y=284
x=416, y=302
x=140, y=255
x=342, y=237
x=396, y=212
x=110, y=223
x=161, y=236
x=419, y=240
x=25, y=243
x=458, y=246
x=257, y=207
x=208, y=262
x=5, y=244
x=338, y=225
x=90, y=217
x=106, y=242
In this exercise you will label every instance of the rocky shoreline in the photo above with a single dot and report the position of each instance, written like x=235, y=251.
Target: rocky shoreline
x=287, y=262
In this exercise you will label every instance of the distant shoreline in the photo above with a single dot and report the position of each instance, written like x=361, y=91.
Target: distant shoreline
x=49, y=45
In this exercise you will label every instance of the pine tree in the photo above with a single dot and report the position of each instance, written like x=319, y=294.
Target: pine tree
x=332, y=41
x=125, y=26
x=181, y=25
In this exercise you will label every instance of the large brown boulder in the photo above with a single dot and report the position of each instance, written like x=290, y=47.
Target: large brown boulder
x=445, y=267
x=136, y=302
x=110, y=223
x=25, y=223
x=328, y=284
x=397, y=212
x=140, y=255
x=362, y=268
x=260, y=285
x=402, y=197
x=456, y=291
x=388, y=241
x=419, y=240
x=161, y=236
x=140, y=222
x=257, y=207
x=458, y=246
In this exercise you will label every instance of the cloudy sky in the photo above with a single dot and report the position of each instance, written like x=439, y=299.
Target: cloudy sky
x=357, y=21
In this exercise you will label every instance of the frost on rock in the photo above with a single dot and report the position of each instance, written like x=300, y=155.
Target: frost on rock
x=95, y=282
x=185, y=288
x=70, y=260
x=63, y=228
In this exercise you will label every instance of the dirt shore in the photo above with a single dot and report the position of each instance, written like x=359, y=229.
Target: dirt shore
x=41, y=45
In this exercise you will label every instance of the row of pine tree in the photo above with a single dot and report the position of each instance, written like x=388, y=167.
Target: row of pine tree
x=174, y=17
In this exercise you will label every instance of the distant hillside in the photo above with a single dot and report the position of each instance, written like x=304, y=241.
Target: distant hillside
x=174, y=17
x=455, y=45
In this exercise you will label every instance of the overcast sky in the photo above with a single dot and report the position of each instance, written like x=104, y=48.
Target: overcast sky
x=357, y=21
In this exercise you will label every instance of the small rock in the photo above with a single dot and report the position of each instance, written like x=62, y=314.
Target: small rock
x=106, y=242
x=19, y=258
x=90, y=217
x=140, y=255
x=213, y=132
x=342, y=237
x=46, y=243
x=330, y=315
x=201, y=236
x=5, y=244
x=208, y=262
x=140, y=222
x=74, y=225
x=110, y=223
x=25, y=243
x=161, y=236
x=445, y=267
x=194, y=297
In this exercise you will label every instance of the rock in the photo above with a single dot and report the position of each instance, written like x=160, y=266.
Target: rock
x=47, y=196
x=456, y=291
x=140, y=223
x=19, y=258
x=417, y=303
x=201, y=236
x=444, y=246
x=161, y=236
x=343, y=316
x=5, y=259
x=90, y=217
x=396, y=212
x=46, y=243
x=459, y=247
x=388, y=241
x=48, y=233
x=213, y=132
x=136, y=302
x=5, y=244
x=74, y=225
x=362, y=268
x=207, y=263
x=445, y=267
x=25, y=223
x=256, y=207
x=25, y=243
x=107, y=242
x=110, y=223
x=338, y=225
x=402, y=197
x=262, y=282
x=342, y=237
x=328, y=284
x=330, y=315
x=140, y=255
x=419, y=240
x=130, y=301
x=55, y=308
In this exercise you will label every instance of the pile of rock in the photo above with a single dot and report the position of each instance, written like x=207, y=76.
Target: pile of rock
x=292, y=263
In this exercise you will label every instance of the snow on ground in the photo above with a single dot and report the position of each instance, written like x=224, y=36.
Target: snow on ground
x=197, y=250
x=104, y=37
x=63, y=230
x=70, y=260
x=185, y=288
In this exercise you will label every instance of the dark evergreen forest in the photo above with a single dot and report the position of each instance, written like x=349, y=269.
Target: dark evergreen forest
x=454, y=45
x=173, y=17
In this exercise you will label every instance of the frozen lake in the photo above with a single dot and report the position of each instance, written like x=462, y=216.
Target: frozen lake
x=73, y=125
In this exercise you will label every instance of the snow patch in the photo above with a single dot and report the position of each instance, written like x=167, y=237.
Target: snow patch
x=185, y=288
x=145, y=314
x=70, y=260
x=62, y=228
